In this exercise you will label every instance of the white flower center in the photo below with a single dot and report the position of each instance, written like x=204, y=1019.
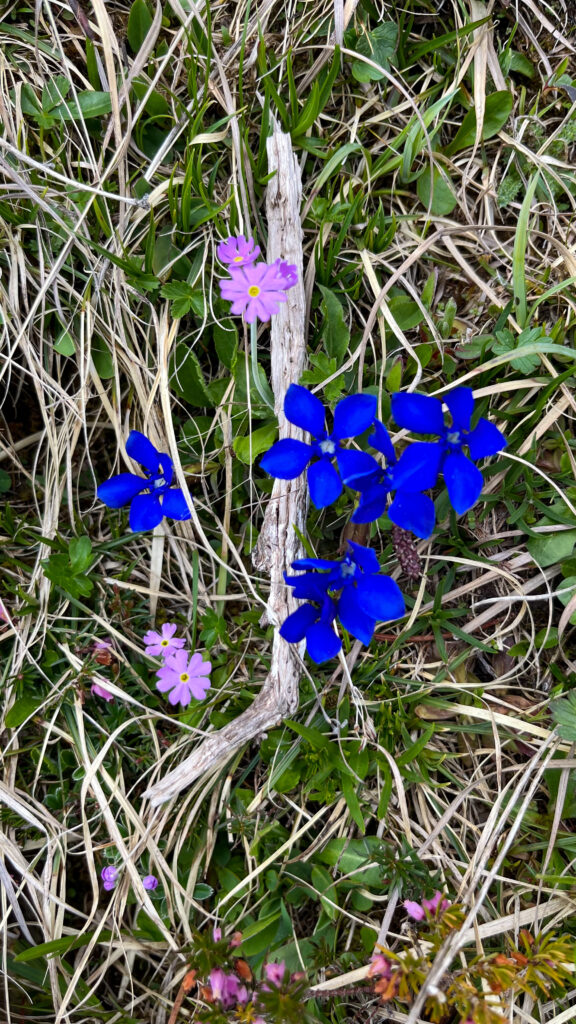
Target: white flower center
x=327, y=447
x=453, y=437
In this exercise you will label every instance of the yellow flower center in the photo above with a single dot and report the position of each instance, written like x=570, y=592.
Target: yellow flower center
x=164, y=643
x=238, y=259
x=184, y=677
x=254, y=291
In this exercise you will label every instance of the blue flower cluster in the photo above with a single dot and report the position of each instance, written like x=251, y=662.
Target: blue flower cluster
x=150, y=497
x=351, y=589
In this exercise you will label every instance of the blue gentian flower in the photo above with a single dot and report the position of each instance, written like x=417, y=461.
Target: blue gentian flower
x=409, y=509
x=419, y=466
x=288, y=458
x=150, y=498
x=351, y=589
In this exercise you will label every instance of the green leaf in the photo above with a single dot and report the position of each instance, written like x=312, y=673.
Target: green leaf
x=508, y=342
x=380, y=46
x=186, y=376
x=139, y=22
x=564, y=714
x=549, y=548
x=22, y=709
x=55, y=90
x=249, y=448
x=323, y=882
x=5, y=481
x=181, y=295
x=405, y=311
x=352, y=802
x=102, y=359
x=202, y=891
x=258, y=937
x=316, y=739
x=29, y=101
x=59, y=946
x=496, y=113
x=570, y=581
x=393, y=381
x=80, y=550
x=89, y=104
x=64, y=344
x=156, y=104
x=436, y=192
x=225, y=336
x=335, y=333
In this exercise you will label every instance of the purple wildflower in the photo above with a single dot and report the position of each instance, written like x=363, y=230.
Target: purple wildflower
x=150, y=882
x=274, y=974
x=380, y=965
x=238, y=251
x=101, y=691
x=226, y=988
x=287, y=273
x=109, y=877
x=255, y=290
x=217, y=934
x=164, y=643
x=428, y=908
x=186, y=676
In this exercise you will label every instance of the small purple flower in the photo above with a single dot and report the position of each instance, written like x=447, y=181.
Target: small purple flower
x=217, y=934
x=275, y=974
x=427, y=908
x=101, y=691
x=109, y=877
x=226, y=988
x=287, y=273
x=255, y=290
x=238, y=251
x=164, y=642
x=186, y=676
x=414, y=910
x=380, y=965
x=150, y=882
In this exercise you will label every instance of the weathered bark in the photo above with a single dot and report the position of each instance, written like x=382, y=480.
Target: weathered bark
x=277, y=545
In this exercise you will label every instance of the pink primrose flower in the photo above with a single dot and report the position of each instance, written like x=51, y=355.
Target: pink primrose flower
x=226, y=988
x=380, y=965
x=287, y=273
x=275, y=974
x=437, y=904
x=100, y=691
x=255, y=290
x=238, y=251
x=150, y=882
x=185, y=676
x=164, y=642
x=109, y=877
x=414, y=909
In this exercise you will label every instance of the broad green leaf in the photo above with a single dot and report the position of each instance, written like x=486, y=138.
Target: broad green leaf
x=335, y=333
x=55, y=90
x=405, y=311
x=22, y=709
x=156, y=104
x=324, y=884
x=496, y=113
x=139, y=22
x=549, y=548
x=80, y=550
x=5, y=481
x=64, y=344
x=258, y=937
x=186, y=376
x=225, y=336
x=102, y=359
x=90, y=104
x=352, y=802
x=202, y=891
x=181, y=295
x=570, y=581
x=380, y=46
x=393, y=380
x=436, y=192
x=249, y=448
x=59, y=946
x=564, y=714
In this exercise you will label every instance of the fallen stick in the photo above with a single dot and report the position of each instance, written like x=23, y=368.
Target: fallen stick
x=277, y=545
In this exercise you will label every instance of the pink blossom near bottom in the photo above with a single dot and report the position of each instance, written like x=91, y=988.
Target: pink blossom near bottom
x=186, y=676
x=227, y=989
x=100, y=691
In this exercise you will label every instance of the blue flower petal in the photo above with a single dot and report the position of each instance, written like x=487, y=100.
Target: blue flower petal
x=119, y=490
x=418, y=467
x=372, y=504
x=461, y=405
x=304, y=410
x=380, y=440
x=354, y=465
x=463, y=480
x=353, y=617
x=365, y=557
x=485, y=440
x=309, y=586
x=296, y=625
x=143, y=451
x=322, y=643
x=166, y=468
x=414, y=512
x=315, y=563
x=145, y=512
x=174, y=504
x=380, y=597
x=353, y=415
x=420, y=413
x=324, y=483
x=286, y=459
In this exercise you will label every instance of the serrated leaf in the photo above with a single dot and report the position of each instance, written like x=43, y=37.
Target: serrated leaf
x=248, y=448
x=22, y=709
x=380, y=46
x=436, y=192
x=335, y=333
